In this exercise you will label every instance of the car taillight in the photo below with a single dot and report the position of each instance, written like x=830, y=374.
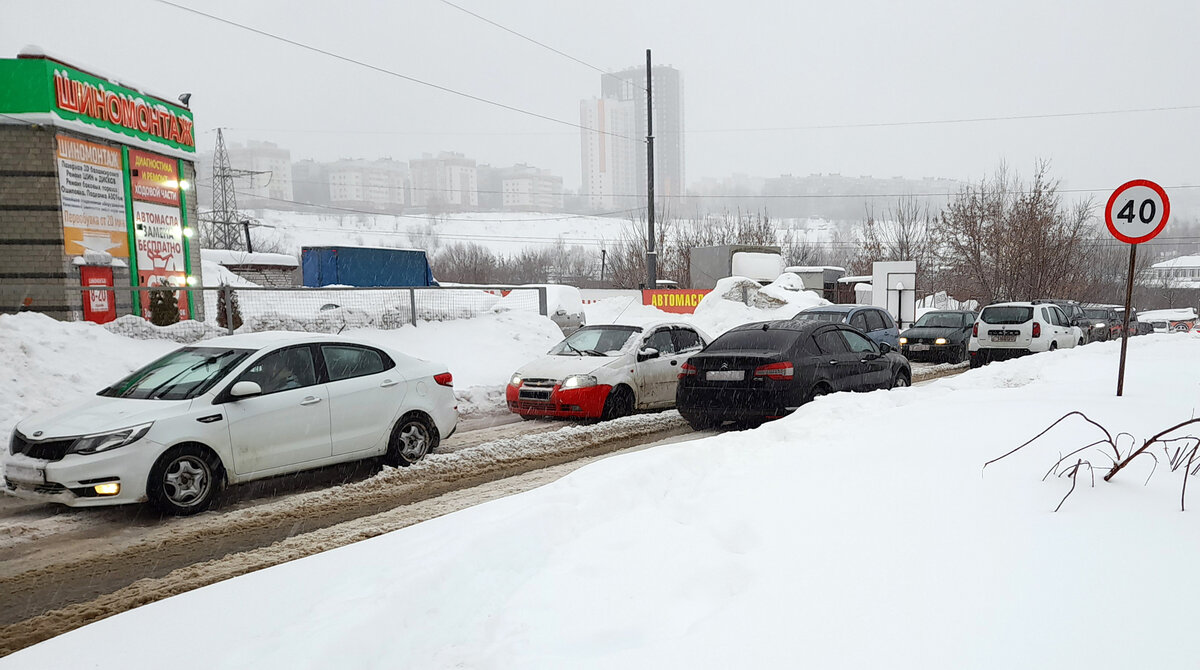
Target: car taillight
x=975, y=330
x=778, y=371
x=1037, y=329
x=445, y=379
x=687, y=370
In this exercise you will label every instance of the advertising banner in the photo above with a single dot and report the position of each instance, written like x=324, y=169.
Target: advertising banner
x=675, y=301
x=160, y=257
x=98, y=306
x=153, y=178
x=91, y=190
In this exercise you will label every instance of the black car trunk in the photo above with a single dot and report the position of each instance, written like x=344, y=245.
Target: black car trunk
x=731, y=370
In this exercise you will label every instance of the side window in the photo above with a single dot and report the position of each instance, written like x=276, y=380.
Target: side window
x=283, y=370
x=857, y=343
x=346, y=361
x=1062, y=318
x=1046, y=315
x=875, y=320
x=859, y=321
x=830, y=342
x=687, y=340
x=887, y=319
x=661, y=340
x=968, y=320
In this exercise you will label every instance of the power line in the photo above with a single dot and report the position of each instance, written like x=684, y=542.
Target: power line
x=530, y=39
x=386, y=71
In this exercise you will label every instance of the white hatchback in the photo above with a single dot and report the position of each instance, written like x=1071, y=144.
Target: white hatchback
x=230, y=410
x=1011, y=329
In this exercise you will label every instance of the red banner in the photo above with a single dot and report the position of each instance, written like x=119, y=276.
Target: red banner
x=676, y=301
x=154, y=178
x=98, y=306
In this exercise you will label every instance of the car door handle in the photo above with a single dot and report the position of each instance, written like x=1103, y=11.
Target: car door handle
x=310, y=400
x=387, y=383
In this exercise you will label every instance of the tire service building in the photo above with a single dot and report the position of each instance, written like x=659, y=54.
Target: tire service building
x=94, y=191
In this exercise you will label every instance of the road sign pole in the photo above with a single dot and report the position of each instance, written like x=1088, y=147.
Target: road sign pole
x=1125, y=328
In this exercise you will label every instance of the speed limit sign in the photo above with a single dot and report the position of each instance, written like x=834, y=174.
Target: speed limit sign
x=1137, y=211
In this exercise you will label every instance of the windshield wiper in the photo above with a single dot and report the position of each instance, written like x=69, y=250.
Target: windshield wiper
x=572, y=348
x=593, y=352
x=208, y=361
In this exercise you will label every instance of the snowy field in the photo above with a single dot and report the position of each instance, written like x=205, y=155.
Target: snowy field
x=820, y=540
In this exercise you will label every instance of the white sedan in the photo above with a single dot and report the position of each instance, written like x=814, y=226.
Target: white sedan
x=230, y=410
x=603, y=372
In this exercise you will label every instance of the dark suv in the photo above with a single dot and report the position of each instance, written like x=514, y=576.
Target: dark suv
x=1075, y=316
x=1106, y=323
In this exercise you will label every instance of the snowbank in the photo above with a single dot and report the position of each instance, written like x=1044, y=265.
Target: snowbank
x=821, y=540
x=227, y=257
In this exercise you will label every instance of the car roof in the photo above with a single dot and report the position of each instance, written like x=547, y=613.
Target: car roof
x=783, y=324
x=1011, y=304
x=949, y=311
x=838, y=308
x=271, y=339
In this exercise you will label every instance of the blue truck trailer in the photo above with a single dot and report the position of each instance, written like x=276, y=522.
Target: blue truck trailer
x=365, y=266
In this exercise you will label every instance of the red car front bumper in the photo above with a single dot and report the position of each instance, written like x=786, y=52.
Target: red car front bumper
x=584, y=403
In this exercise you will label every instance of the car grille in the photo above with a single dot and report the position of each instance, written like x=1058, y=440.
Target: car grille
x=47, y=450
x=921, y=340
x=540, y=383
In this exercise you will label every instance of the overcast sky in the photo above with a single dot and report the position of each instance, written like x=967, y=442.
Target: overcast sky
x=748, y=66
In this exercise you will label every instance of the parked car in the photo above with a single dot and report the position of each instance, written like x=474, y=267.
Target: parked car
x=604, y=372
x=766, y=370
x=1104, y=323
x=230, y=410
x=1176, y=320
x=1074, y=313
x=874, y=321
x=1011, y=329
x=564, y=305
x=943, y=335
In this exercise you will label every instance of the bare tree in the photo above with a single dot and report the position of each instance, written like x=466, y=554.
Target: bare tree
x=466, y=263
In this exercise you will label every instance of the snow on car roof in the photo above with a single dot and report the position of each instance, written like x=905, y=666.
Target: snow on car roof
x=270, y=339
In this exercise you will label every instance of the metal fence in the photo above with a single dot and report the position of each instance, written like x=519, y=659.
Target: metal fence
x=331, y=309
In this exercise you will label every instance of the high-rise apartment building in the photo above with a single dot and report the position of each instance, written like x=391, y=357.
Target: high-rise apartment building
x=611, y=156
x=271, y=188
x=444, y=182
x=667, y=91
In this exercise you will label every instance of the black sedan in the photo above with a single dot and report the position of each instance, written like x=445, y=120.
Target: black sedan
x=766, y=370
x=939, y=336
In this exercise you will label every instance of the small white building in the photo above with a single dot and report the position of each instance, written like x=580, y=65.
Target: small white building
x=1181, y=272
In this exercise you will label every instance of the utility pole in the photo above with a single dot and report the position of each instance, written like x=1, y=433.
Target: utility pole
x=603, y=257
x=246, y=228
x=651, y=254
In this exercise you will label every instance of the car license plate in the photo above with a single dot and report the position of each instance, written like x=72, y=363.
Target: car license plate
x=919, y=347
x=21, y=473
x=725, y=375
x=1004, y=338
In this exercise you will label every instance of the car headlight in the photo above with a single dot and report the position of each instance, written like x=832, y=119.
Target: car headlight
x=94, y=444
x=515, y=381
x=940, y=340
x=578, y=382
x=904, y=340
x=1098, y=324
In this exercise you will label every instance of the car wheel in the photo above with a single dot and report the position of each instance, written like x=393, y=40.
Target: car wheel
x=901, y=380
x=1053, y=346
x=1080, y=343
x=185, y=480
x=699, y=422
x=820, y=389
x=412, y=438
x=977, y=361
x=958, y=354
x=618, y=404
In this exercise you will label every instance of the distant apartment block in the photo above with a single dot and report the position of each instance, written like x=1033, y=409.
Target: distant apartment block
x=446, y=182
x=378, y=185
x=610, y=155
x=667, y=90
x=274, y=185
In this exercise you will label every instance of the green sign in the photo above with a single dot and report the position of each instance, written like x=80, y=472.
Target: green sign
x=42, y=86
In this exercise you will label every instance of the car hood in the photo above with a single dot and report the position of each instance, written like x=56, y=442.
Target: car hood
x=934, y=333
x=98, y=414
x=561, y=367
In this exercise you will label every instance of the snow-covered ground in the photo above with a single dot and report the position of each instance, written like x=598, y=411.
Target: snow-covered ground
x=860, y=532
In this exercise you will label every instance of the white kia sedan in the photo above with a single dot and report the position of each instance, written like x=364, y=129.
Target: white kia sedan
x=229, y=410
x=603, y=372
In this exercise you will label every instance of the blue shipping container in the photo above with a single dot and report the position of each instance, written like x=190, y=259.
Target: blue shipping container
x=365, y=266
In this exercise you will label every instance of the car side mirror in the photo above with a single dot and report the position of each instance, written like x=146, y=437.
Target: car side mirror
x=245, y=389
x=885, y=348
x=647, y=353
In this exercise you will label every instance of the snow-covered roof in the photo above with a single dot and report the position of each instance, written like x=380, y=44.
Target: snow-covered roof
x=813, y=268
x=1179, y=314
x=1180, y=262
x=856, y=279
x=35, y=51
x=226, y=257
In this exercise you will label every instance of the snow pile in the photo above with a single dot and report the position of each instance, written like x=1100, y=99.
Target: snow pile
x=227, y=257
x=216, y=274
x=737, y=300
x=820, y=540
x=137, y=328
x=46, y=364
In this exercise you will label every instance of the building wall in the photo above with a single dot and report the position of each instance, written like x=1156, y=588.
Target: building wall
x=31, y=231
x=667, y=92
x=610, y=154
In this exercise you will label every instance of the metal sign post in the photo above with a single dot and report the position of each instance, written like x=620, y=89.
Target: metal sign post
x=1136, y=212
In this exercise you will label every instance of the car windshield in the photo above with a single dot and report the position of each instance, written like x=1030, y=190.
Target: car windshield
x=940, y=320
x=180, y=375
x=1006, y=314
x=1096, y=313
x=604, y=341
x=830, y=317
